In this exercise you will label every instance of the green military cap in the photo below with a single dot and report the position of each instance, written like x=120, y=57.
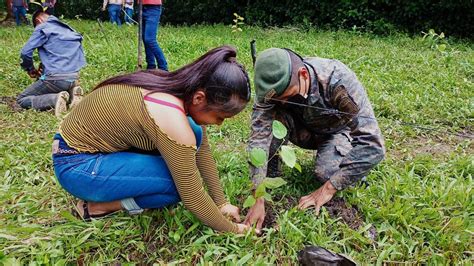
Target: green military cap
x=272, y=73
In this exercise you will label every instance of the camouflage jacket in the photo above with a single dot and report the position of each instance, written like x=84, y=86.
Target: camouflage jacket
x=337, y=102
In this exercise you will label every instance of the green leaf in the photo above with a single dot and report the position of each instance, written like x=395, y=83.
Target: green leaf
x=298, y=167
x=68, y=216
x=267, y=197
x=442, y=47
x=258, y=157
x=244, y=259
x=288, y=156
x=249, y=202
x=261, y=190
x=279, y=130
x=274, y=182
x=176, y=236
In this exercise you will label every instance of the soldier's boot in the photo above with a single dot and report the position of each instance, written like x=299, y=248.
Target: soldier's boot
x=76, y=94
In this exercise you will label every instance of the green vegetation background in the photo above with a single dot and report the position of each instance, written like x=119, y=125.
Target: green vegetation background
x=453, y=17
x=420, y=198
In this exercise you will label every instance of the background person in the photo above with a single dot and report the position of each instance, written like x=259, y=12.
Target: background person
x=19, y=8
x=114, y=7
x=152, y=10
x=62, y=57
x=128, y=6
x=48, y=5
x=153, y=151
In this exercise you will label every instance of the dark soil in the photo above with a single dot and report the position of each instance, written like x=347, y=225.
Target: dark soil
x=10, y=101
x=338, y=208
x=270, y=217
x=7, y=23
x=287, y=201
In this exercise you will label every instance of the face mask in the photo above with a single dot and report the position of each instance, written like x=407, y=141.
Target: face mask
x=298, y=98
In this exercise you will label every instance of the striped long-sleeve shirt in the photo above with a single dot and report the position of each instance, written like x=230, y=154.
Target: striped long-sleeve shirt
x=114, y=118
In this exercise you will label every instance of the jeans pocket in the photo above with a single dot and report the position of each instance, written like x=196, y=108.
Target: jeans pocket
x=90, y=166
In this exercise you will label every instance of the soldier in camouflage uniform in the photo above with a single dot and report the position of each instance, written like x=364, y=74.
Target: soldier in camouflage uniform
x=325, y=108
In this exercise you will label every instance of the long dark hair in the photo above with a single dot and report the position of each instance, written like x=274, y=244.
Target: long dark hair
x=217, y=73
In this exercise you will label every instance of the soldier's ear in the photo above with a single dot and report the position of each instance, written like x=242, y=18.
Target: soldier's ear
x=303, y=72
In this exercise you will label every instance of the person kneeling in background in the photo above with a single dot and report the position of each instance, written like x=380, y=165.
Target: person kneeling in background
x=61, y=54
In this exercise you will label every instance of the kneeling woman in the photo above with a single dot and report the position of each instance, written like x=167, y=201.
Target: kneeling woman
x=138, y=141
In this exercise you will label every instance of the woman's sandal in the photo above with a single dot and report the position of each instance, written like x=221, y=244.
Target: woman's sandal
x=88, y=217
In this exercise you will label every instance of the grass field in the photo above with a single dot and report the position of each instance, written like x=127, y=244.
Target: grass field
x=420, y=199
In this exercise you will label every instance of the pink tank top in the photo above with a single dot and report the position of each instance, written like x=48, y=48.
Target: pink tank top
x=165, y=103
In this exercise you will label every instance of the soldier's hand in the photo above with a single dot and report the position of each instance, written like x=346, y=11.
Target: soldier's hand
x=318, y=198
x=256, y=215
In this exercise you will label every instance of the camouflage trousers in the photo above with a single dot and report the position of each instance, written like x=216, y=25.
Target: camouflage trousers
x=330, y=149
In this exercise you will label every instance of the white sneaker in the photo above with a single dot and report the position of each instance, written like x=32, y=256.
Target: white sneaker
x=61, y=103
x=76, y=94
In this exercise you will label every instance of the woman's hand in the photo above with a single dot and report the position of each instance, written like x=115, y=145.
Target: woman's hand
x=242, y=228
x=231, y=211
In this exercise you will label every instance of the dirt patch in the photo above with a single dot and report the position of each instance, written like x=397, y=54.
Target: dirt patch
x=350, y=215
x=436, y=145
x=10, y=101
x=337, y=208
x=270, y=217
x=271, y=209
x=7, y=23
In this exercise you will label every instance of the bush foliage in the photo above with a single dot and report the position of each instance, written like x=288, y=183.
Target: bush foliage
x=379, y=16
x=454, y=17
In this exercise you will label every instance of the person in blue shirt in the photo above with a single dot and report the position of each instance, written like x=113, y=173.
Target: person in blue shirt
x=62, y=57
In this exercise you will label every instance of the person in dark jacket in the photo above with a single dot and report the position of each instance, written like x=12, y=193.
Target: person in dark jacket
x=325, y=108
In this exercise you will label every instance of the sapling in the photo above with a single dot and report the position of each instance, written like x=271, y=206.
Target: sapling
x=258, y=157
x=238, y=22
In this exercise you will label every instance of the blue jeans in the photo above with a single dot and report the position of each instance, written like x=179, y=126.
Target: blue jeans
x=114, y=13
x=139, y=180
x=128, y=15
x=19, y=11
x=42, y=94
x=151, y=20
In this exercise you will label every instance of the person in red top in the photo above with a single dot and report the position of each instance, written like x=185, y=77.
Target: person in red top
x=151, y=19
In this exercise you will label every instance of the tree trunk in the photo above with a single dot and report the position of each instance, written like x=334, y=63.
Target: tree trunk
x=9, y=10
